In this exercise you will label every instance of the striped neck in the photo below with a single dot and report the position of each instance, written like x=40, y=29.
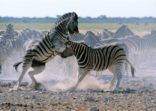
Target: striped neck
x=61, y=28
x=76, y=47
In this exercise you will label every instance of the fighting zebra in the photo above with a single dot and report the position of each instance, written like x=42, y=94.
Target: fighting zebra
x=110, y=57
x=40, y=54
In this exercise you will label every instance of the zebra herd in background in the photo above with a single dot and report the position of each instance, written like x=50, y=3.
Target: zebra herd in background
x=15, y=43
x=93, y=52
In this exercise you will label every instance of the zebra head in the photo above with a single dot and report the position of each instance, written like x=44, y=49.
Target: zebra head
x=72, y=26
x=68, y=51
x=67, y=23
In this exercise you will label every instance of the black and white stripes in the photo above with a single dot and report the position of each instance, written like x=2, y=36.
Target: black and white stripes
x=110, y=57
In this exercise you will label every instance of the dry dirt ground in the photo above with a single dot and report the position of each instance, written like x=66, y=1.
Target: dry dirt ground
x=139, y=96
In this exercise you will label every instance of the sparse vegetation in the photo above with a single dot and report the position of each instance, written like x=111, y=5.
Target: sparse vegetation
x=144, y=24
x=95, y=27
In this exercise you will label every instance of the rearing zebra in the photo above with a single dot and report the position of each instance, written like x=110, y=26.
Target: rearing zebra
x=40, y=54
x=109, y=57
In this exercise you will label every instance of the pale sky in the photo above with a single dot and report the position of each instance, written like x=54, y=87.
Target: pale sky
x=93, y=8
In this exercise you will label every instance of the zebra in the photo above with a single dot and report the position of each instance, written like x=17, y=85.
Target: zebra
x=38, y=55
x=109, y=57
x=135, y=44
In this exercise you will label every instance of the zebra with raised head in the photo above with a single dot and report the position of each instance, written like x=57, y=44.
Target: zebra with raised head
x=110, y=57
x=38, y=55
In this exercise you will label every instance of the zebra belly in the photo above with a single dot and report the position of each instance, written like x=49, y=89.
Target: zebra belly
x=99, y=69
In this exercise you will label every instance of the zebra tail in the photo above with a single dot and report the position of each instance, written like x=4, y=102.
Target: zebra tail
x=16, y=65
x=132, y=68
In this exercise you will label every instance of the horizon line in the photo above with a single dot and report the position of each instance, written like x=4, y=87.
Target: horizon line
x=79, y=16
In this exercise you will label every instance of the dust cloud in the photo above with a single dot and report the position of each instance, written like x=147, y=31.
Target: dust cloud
x=61, y=74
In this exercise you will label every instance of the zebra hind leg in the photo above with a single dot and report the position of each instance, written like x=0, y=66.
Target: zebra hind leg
x=26, y=65
x=126, y=67
x=117, y=70
x=112, y=69
x=38, y=67
x=16, y=87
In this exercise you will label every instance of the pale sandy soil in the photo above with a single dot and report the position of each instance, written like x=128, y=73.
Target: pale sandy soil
x=140, y=96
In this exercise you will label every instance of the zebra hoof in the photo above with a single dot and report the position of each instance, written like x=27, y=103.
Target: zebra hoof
x=38, y=86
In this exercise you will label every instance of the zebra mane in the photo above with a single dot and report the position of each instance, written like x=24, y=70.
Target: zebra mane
x=61, y=22
x=79, y=42
x=66, y=16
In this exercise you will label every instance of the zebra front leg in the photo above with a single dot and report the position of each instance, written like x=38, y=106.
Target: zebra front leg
x=36, y=70
x=82, y=74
